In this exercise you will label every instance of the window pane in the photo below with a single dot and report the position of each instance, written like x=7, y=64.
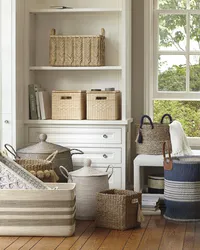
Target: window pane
x=195, y=32
x=172, y=34
x=186, y=112
x=172, y=73
x=195, y=4
x=172, y=4
x=194, y=73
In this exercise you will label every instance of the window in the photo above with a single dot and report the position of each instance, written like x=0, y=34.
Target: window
x=172, y=31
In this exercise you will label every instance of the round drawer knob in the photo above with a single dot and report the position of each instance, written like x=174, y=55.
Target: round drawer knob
x=105, y=136
x=105, y=156
x=6, y=121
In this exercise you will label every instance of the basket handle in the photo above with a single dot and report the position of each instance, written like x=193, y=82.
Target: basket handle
x=53, y=32
x=111, y=172
x=167, y=161
x=166, y=115
x=11, y=150
x=65, y=173
x=103, y=32
x=79, y=152
x=142, y=121
x=52, y=156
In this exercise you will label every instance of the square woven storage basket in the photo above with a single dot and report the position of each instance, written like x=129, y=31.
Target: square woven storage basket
x=117, y=209
x=68, y=105
x=77, y=50
x=103, y=105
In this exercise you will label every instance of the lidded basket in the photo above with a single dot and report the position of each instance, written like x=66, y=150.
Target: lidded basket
x=43, y=149
x=89, y=181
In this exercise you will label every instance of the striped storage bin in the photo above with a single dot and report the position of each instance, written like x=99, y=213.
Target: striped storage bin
x=49, y=212
x=182, y=188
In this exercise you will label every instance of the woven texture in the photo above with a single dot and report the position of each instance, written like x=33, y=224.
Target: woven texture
x=117, y=209
x=103, y=105
x=76, y=50
x=152, y=138
x=42, y=169
x=68, y=105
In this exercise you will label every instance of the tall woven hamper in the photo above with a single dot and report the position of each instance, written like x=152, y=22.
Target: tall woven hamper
x=118, y=209
x=182, y=188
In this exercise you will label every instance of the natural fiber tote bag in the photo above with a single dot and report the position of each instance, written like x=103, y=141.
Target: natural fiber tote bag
x=150, y=136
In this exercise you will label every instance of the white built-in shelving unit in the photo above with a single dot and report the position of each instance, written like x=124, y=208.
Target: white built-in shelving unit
x=105, y=142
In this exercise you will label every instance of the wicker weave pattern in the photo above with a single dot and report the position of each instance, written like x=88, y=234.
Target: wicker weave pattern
x=68, y=105
x=152, y=138
x=76, y=50
x=117, y=209
x=104, y=105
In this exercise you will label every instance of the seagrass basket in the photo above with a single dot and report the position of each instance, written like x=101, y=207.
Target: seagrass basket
x=150, y=136
x=103, y=105
x=42, y=169
x=118, y=209
x=68, y=105
x=77, y=50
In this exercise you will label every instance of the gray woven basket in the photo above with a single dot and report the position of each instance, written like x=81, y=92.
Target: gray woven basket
x=117, y=209
x=153, y=135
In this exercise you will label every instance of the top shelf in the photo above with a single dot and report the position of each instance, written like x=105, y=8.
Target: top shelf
x=74, y=10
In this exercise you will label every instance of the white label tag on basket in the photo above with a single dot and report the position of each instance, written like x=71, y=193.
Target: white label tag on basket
x=134, y=201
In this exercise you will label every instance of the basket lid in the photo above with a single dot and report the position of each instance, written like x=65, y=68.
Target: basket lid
x=43, y=147
x=87, y=170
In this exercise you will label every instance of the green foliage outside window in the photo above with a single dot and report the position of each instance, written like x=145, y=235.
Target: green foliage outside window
x=174, y=77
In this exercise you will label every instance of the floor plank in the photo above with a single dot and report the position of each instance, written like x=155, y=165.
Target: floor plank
x=6, y=241
x=96, y=239
x=70, y=241
x=153, y=234
x=48, y=243
x=84, y=237
x=136, y=236
x=20, y=242
x=197, y=236
x=116, y=240
x=31, y=243
x=189, y=238
x=173, y=236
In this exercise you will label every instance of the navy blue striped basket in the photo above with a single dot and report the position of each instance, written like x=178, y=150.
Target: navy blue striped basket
x=182, y=187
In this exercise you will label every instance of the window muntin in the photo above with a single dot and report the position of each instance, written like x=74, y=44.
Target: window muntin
x=176, y=72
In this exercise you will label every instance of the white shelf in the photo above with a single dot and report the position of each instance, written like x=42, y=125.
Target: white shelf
x=75, y=68
x=78, y=122
x=75, y=10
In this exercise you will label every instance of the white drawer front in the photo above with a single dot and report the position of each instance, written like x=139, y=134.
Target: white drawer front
x=98, y=156
x=115, y=180
x=69, y=135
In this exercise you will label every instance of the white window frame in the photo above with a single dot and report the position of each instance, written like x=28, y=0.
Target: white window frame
x=150, y=70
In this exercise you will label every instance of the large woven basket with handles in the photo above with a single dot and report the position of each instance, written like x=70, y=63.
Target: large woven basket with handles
x=42, y=169
x=150, y=136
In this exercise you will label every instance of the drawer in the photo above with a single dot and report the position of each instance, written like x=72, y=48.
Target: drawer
x=115, y=180
x=71, y=135
x=99, y=156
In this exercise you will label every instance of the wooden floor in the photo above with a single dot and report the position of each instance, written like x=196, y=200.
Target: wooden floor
x=155, y=233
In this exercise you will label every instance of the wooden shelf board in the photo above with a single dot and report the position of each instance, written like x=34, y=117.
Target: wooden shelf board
x=74, y=10
x=78, y=122
x=75, y=68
